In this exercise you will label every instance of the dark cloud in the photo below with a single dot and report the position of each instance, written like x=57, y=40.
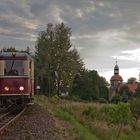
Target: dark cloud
x=101, y=28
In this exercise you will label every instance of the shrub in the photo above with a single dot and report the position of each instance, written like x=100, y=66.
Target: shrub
x=116, y=99
x=135, y=108
x=117, y=115
x=73, y=98
x=103, y=100
x=90, y=113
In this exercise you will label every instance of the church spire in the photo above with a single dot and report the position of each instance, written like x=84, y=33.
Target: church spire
x=116, y=68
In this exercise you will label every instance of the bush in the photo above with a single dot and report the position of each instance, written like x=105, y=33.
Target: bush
x=55, y=97
x=134, y=125
x=135, y=108
x=103, y=100
x=88, y=111
x=117, y=115
x=116, y=99
x=73, y=98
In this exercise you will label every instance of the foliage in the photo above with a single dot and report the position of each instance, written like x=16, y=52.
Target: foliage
x=116, y=99
x=72, y=98
x=124, y=93
x=13, y=49
x=134, y=125
x=56, y=61
x=137, y=93
x=10, y=49
x=117, y=114
x=103, y=90
x=88, y=85
x=131, y=80
x=87, y=135
x=135, y=108
x=102, y=100
x=88, y=111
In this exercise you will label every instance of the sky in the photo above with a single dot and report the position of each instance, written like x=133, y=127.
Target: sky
x=102, y=30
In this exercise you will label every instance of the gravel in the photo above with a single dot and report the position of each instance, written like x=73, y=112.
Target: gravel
x=35, y=124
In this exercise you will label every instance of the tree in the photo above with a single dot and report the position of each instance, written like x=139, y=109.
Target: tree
x=88, y=85
x=137, y=92
x=103, y=90
x=56, y=61
x=124, y=93
x=131, y=80
x=13, y=49
x=10, y=49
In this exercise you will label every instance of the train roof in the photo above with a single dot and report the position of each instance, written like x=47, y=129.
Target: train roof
x=16, y=54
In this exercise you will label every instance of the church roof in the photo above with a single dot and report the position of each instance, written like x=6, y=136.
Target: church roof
x=116, y=77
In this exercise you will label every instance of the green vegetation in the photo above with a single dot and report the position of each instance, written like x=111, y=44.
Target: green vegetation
x=59, y=68
x=117, y=115
x=94, y=120
x=135, y=108
x=56, y=62
x=85, y=133
x=13, y=49
x=88, y=85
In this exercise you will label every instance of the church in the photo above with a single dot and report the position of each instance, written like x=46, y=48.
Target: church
x=116, y=83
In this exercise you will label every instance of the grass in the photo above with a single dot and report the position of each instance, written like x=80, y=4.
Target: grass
x=87, y=119
x=85, y=133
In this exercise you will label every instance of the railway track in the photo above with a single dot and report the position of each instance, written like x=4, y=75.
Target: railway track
x=9, y=115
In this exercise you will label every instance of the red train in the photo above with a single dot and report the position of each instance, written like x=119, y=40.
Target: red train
x=16, y=77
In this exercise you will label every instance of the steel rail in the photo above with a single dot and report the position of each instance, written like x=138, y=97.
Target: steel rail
x=11, y=120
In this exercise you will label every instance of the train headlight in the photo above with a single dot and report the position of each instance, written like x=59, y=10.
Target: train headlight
x=6, y=88
x=21, y=88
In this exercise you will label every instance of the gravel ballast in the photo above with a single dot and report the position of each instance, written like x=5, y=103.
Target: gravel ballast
x=35, y=124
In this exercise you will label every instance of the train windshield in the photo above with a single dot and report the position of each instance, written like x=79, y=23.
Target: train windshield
x=14, y=67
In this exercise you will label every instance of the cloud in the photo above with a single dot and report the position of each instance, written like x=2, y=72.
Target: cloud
x=131, y=55
x=17, y=22
x=101, y=29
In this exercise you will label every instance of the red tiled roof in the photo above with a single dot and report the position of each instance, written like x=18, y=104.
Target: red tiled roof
x=116, y=77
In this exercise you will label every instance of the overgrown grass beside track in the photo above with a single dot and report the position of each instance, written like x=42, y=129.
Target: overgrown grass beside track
x=87, y=118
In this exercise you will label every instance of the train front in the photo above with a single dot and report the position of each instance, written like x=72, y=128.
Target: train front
x=16, y=78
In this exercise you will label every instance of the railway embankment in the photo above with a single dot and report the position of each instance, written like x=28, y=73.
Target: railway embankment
x=57, y=119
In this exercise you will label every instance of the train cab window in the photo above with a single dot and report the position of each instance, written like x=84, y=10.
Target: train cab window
x=14, y=67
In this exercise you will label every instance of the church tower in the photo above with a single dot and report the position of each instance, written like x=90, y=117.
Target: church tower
x=116, y=82
x=116, y=79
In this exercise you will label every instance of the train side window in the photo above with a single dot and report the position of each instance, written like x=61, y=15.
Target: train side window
x=2, y=65
x=26, y=67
